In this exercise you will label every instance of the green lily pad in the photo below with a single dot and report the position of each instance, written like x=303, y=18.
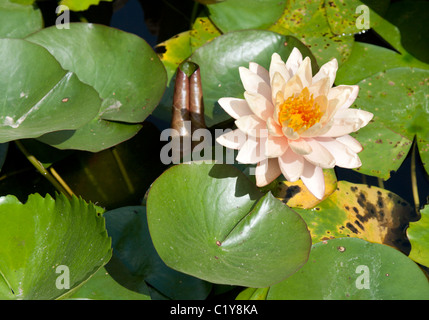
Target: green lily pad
x=214, y=224
x=398, y=100
x=233, y=15
x=92, y=51
x=368, y=59
x=219, y=67
x=419, y=238
x=102, y=286
x=97, y=135
x=43, y=238
x=40, y=97
x=129, y=95
x=80, y=5
x=19, y=20
x=354, y=269
x=136, y=263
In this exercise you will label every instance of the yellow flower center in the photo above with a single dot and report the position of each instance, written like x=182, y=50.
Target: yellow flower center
x=300, y=111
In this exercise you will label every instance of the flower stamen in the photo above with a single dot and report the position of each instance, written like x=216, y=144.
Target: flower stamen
x=298, y=112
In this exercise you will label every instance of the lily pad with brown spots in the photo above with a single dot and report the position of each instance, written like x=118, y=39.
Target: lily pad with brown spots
x=361, y=211
x=296, y=194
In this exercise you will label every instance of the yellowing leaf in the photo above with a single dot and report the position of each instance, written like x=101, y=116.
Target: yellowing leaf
x=296, y=194
x=361, y=211
x=80, y=5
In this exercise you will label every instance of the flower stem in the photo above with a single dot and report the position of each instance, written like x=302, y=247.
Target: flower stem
x=414, y=184
x=61, y=186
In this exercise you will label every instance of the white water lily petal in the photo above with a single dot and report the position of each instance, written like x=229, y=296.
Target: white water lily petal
x=293, y=62
x=234, y=139
x=252, y=125
x=319, y=156
x=328, y=70
x=254, y=83
x=236, y=108
x=291, y=165
x=346, y=121
x=300, y=146
x=266, y=172
x=252, y=151
x=259, y=105
x=275, y=146
x=290, y=133
x=304, y=72
x=343, y=95
x=351, y=143
x=278, y=85
x=344, y=156
x=260, y=71
x=274, y=129
x=313, y=179
x=278, y=66
x=320, y=88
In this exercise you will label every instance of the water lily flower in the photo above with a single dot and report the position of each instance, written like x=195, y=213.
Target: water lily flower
x=293, y=123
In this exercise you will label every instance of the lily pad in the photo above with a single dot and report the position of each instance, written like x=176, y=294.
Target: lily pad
x=354, y=269
x=398, y=100
x=296, y=194
x=102, y=286
x=219, y=67
x=129, y=95
x=233, y=15
x=419, y=238
x=361, y=211
x=92, y=51
x=307, y=21
x=40, y=97
x=44, y=237
x=214, y=224
x=19, y=20
x=136, y=263
x=80, y=5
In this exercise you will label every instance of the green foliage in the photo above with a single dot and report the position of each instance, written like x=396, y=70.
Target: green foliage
x=338, y=268
x=216, y=225
x=79, y=102
x=43, y=234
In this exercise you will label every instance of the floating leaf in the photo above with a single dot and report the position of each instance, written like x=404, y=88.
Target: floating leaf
x=307, y=21
x=419, y=238
x=362, y=211
x=39, y=236
x=296, y=194
x=129, y=95
x=101, y=286
x=233, y=15
x=203, y=31
x=40, y=97
x=368, y=59
x=354, y=269
x=19, y=20
x=342, y=16
x=214, y=224
x=80, y=5
x=95, y=136
x=398, y=100
x=136, y=259
x=219, y=67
